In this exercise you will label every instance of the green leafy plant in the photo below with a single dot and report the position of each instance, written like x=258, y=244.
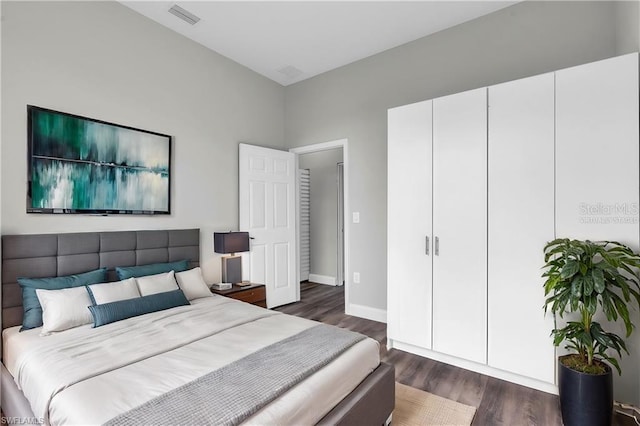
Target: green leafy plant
x=580, y=276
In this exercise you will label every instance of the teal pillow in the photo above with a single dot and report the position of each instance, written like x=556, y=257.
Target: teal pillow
x=123, y=309
x=125, y=272
x=32, y=316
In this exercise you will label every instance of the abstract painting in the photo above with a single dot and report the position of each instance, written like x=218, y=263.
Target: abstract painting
x=83, y=165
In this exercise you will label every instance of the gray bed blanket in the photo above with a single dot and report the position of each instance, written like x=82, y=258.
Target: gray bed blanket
x=233, y=393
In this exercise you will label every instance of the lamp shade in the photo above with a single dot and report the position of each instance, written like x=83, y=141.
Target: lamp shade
x=230, y=242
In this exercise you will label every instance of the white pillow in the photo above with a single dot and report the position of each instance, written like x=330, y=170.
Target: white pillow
x=112, y=292
x=158, y=283
x=64, y=309
x=192, y=284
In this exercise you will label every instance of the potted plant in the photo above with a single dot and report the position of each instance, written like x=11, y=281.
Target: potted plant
x=589, y=278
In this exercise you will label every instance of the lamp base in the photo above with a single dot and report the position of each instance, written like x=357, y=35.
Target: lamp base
x=232, y=269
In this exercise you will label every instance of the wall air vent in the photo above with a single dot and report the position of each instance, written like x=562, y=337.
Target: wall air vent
x=183, y=14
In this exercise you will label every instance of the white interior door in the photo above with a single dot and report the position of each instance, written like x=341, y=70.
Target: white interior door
x=409, y=212
x=460, y=225
x=521, y=222
x=267, y=191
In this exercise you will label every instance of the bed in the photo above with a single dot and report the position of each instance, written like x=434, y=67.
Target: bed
x=100, y=375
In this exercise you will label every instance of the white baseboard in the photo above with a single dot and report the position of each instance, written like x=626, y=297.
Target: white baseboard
x=367, y=312
x=473, y=366
x=322, y=279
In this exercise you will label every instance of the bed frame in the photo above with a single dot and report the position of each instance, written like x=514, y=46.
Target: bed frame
x=50, y=255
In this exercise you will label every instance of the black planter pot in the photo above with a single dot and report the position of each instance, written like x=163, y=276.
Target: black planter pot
x=585, y=399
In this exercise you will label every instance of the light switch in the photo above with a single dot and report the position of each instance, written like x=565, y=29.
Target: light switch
x=356, y=217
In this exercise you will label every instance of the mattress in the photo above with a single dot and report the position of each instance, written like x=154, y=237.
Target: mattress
x=39, y=363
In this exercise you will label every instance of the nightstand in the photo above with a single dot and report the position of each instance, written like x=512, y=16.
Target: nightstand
x=254, y=293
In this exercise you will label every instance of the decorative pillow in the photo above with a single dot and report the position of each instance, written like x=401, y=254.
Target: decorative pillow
x=192, y=284
x=32, y=316
x=64, y=309
x=158, y=283
x=123, y=309
x=112, y=292
x=125, y=272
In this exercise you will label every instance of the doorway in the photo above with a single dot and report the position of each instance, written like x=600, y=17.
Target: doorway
x=320, y=228
x=331, y=236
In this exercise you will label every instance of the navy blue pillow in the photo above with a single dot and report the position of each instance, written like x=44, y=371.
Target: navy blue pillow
x=125, y=272
x=32, y=316
x=123, y=309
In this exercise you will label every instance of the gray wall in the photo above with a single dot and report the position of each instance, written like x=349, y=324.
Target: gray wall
x=627, y=26
x=102, y=60
x=324, y=207
x=351, y=102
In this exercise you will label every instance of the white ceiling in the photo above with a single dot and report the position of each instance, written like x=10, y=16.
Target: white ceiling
x=289, y=41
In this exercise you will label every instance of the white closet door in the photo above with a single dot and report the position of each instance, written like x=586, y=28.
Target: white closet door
x=460, y=225
x=597, y=169
x=521, y=222
x=304, y=185
x=597, y=151
x=409, y=225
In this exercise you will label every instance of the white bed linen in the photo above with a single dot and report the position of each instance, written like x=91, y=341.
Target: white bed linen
x=131, y=385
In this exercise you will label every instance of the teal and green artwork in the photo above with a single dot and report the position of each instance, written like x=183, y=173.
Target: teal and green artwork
x=83, y=165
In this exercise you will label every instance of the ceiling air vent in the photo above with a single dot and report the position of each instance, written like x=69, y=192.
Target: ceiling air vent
x=291, y=72
x=183, y=14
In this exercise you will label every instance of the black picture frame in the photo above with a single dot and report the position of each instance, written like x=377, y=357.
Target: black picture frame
x=82, y=165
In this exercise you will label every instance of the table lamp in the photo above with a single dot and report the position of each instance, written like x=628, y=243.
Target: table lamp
x=231, y=243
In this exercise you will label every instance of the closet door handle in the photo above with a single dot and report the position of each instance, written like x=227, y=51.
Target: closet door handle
x=426, y=250
x=437, y=247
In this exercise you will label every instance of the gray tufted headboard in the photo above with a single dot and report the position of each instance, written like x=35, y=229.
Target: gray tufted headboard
x=54, y=255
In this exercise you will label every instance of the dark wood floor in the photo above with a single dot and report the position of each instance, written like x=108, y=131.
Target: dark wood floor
x=498, y=402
